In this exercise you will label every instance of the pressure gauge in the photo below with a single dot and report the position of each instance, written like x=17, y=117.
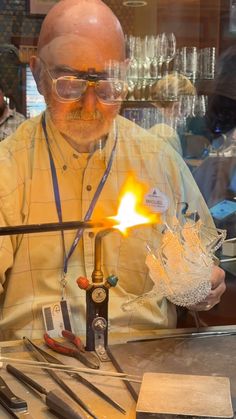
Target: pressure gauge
x=99, y=295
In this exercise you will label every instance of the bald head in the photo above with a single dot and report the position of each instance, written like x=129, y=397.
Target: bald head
x=90, y=19
x=79, y=39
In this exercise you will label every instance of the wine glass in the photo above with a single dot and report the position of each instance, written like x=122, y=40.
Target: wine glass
x=160, y=48
x=140, y=69
x=154, y=58
x=170, y=49
x=132, y=71
x=151, y=42
x=161, y=51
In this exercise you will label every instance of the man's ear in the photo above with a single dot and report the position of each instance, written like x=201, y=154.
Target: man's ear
x=36, y=68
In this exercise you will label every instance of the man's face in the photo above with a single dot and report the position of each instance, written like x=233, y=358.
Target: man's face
x=87, y=118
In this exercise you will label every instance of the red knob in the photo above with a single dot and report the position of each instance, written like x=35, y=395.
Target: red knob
x=82, y=282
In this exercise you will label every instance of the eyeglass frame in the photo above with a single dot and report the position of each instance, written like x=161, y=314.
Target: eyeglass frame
x=91, y=78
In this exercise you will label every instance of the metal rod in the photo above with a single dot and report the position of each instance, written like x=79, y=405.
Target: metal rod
x=56, y=401
x=52, y=359
x=119, y=369
x=54, y=375
x=198, y=334
x=196, y=317
x=41, y=228
x=69, y=368
x=228, y=260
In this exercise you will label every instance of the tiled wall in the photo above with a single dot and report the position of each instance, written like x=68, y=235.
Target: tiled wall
x=14, y=22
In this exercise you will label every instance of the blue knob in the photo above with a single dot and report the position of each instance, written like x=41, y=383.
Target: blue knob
x=112, y=280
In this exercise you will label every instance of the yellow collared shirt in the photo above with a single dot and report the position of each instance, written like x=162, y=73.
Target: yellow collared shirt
x=27, y=197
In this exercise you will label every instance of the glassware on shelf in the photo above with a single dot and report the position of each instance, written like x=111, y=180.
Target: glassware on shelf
x=181, y=267
x=154, y=59
x=146, y=57
x=148, y=51
x=177, y=61
x=144, y=117
x=170, y=49
x=195, y=63
x=189, y=62
x=150, y=57
x=185, y=109
x=161, y=51
x=132, y=71
x=199, y=105
x=208, y=63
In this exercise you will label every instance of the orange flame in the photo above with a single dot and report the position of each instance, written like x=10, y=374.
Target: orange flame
x=132, y=211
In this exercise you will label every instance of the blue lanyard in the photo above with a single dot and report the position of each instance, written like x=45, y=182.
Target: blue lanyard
x=58, y=199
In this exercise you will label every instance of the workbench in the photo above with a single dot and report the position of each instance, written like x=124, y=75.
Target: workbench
x=209, y=351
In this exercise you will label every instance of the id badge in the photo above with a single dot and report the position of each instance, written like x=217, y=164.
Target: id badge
x=57, y=317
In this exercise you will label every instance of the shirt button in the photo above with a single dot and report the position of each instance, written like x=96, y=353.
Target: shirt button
x=89, y=187
x=91, y=235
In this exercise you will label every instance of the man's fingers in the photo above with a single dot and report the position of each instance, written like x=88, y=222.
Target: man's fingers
x=218, y=288
x=217, y=277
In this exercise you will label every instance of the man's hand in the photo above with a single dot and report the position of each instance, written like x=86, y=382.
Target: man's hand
x=218, y=287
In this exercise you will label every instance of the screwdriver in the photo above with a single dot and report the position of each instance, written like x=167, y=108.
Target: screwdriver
x=55, y=399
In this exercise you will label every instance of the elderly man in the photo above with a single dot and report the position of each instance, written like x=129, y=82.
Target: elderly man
x=9, y=118
x=70, y=164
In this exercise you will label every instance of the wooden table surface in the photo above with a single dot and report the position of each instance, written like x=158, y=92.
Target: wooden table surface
x=211, y=352
x=115, y=388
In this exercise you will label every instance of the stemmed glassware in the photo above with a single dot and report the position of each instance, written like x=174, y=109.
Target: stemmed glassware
x=139, y=78
x=146, y=58
x=160, y=53
x=170, y=48
x=132, y=71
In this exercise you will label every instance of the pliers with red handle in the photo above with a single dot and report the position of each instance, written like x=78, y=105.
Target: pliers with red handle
x=87, y=358
x=74, y=339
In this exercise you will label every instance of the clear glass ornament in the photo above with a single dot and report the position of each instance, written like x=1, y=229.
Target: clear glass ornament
x=181, y=267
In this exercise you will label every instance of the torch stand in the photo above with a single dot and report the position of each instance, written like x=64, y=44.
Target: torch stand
x=97, y=293
x=97, y=297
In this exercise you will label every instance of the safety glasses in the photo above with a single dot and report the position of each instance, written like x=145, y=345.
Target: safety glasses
x=71, y=88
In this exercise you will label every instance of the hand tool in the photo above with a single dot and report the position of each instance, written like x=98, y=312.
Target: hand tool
x=16, y=406
x=198, y=334
x=67, y=225
x=55, y=399
x=74, y=339
x=51, y=359
x=40, y=357
x=87, y=358
x=119, y=369
x=68, y=368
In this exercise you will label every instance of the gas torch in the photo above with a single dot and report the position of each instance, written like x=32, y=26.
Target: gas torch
x=131, y=212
